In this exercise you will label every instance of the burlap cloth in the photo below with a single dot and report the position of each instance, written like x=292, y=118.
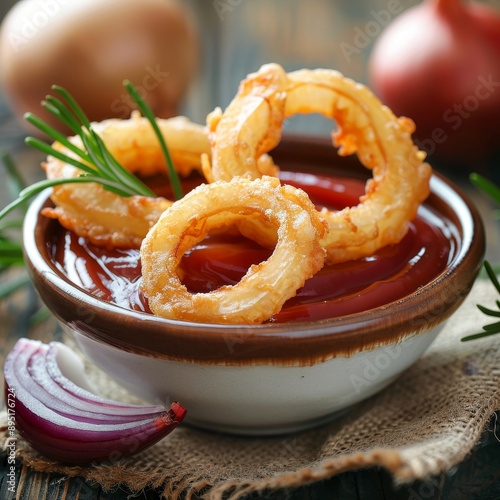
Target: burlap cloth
x=423, y=424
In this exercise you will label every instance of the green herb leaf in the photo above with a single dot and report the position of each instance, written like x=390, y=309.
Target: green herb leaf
x=492, y=275
x=74, y=105
x=148, y=113
x=54, y=134
x=493, y=191
x=480, y=335
x=11, y=252
x=14, y=179
x=492, y=328
x=486, y=186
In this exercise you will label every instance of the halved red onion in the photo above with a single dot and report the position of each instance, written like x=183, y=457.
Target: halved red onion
x=68, y=423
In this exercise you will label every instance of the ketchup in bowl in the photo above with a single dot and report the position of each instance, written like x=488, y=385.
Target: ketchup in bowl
x=337, y=290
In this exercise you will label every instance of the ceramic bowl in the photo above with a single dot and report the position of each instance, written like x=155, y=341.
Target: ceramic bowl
x=265, y=379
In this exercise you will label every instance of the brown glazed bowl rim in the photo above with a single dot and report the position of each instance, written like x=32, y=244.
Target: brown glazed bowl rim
x=281, y=343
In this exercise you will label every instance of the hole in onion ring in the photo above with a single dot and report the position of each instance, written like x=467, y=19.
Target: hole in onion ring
x=264, y=289
x=251, y=125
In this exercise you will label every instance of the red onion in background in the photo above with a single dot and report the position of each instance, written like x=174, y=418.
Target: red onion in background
x=439, y=64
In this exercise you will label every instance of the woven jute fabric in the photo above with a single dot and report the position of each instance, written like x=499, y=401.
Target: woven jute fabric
x=423, y=424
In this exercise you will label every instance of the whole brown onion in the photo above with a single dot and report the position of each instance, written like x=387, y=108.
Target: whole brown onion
x=90, y=46
x=439, y=64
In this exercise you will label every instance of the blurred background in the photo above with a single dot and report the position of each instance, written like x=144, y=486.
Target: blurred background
x=237, y=36
x=437, y=61
x=189, y=56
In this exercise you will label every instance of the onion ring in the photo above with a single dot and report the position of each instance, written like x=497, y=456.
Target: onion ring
x=382, y=142
x=110, y=220
x=240, y=139
x=265, y=287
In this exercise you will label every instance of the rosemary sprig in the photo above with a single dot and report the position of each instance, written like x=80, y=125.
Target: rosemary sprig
x=492, y=328
x=493, y=191
x=92, y=157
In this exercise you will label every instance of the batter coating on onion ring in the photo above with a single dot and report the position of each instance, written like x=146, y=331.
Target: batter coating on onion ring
x=105, y=218
x=110, y=220
x=265, y=287
x=382, y=142
x=240, y=139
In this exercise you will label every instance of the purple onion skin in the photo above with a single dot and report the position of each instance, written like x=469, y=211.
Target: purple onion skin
x=85, y=435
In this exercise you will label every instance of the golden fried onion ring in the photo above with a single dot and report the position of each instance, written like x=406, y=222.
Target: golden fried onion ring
x=400, y=179
x=265, y=287
x=107, y=219
x=241, y=139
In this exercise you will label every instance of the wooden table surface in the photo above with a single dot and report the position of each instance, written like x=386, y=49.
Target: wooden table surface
x=478, y=477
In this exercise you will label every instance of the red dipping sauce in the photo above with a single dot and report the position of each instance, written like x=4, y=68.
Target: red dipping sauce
x=336, y=290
